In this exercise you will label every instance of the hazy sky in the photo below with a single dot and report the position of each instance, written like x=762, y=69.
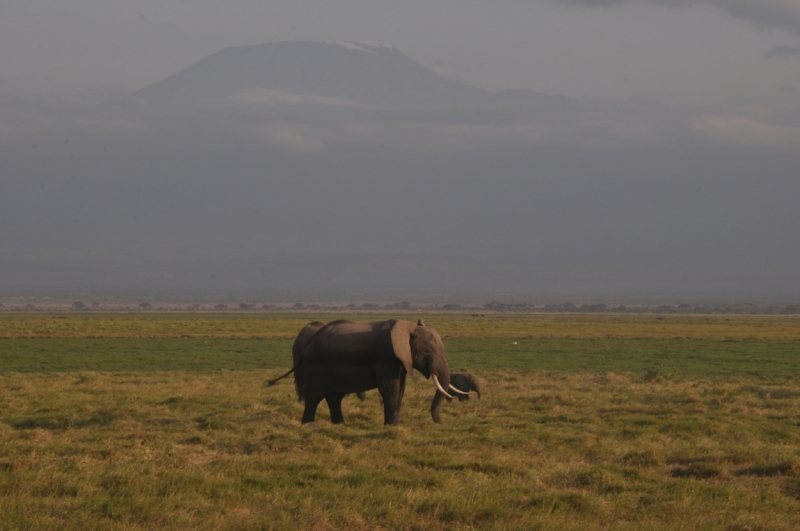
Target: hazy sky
x=677, y=178
x=691, y=52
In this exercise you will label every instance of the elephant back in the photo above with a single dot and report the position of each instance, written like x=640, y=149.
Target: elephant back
x=347, y=337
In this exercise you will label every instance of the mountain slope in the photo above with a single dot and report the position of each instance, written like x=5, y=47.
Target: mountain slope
x=365, y=73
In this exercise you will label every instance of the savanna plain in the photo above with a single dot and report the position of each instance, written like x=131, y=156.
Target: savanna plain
x=142, y=421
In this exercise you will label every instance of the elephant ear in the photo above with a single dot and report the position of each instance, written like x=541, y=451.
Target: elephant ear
x=401, y=332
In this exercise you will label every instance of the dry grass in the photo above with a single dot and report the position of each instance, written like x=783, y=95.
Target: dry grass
x=179, y=450
x=639, y=422
x=452, y=326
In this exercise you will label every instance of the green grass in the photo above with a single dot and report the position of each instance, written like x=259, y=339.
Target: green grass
x=132, y=422
x=669, y=358
x=674, y=358
x=165, y=354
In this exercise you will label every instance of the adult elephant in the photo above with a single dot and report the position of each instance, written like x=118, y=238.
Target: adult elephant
x=349, y=357
x=299, y=345
x=465, y=382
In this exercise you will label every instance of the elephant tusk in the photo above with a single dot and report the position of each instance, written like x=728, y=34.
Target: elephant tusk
x=439, y=386
x=459, y=391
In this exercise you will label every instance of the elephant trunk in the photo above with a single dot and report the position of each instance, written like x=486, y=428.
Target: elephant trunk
x=441, y=378
x=476, y=386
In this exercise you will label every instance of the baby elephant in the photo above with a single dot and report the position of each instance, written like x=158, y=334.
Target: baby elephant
x=466, y=383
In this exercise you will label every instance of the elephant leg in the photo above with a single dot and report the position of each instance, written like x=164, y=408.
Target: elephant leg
x=334, y=401
x=310, y=411
x=392, y=392
x=402, y=386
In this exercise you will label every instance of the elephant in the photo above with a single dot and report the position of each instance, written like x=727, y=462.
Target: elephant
x=465, y=382
x=300, y=343
x=351, y=357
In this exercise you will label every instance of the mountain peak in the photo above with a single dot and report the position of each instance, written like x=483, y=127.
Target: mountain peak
x=365, y=73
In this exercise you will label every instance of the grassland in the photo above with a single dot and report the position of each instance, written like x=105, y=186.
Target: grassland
x=453, y=326
x=587, y=422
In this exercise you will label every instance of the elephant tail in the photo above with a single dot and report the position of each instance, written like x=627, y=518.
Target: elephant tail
x=270, y=383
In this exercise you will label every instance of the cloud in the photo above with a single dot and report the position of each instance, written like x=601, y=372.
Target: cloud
x=743, y=130
x=783, y=51
x=277, y=121
x=783, y=14
x=293, y=137
x=276, y=98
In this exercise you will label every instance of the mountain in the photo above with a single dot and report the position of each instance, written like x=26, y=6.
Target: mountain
x=361, y=72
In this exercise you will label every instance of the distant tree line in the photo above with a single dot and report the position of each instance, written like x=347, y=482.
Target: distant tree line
x=683, y=308
x=494, y=306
